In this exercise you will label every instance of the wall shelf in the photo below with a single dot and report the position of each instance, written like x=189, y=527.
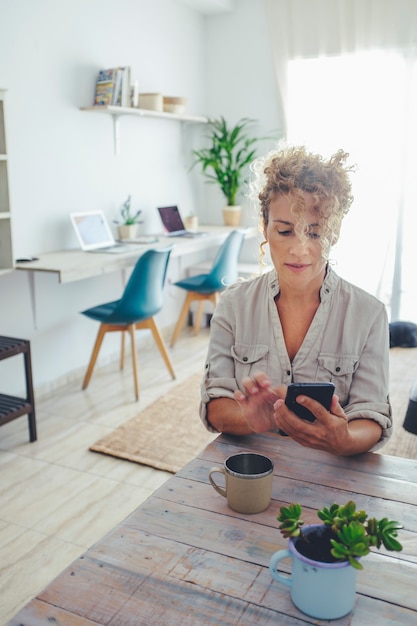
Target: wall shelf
x=116, y=112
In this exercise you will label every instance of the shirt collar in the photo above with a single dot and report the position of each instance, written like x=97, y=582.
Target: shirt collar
x=329, y=284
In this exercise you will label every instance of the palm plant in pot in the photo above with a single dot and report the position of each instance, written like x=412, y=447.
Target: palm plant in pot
x=128, y=224
x=231, y=149
x=327, y=556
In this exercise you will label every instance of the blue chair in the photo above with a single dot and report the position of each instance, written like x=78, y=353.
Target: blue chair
x=209, y=286
x=141, y=301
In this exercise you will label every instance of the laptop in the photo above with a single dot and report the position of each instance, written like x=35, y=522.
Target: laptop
x=94, y=234
x=173, y=224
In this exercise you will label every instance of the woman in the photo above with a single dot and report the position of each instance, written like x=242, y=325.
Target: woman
x=300, y=322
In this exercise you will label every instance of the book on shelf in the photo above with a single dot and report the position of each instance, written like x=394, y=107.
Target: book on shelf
x=113, y=87
x=126, y=101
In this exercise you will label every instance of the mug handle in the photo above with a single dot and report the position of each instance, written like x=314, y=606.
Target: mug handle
x=281, y=554
x=217, y=487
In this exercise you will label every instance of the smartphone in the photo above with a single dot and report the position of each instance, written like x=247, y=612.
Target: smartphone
x=322, y=392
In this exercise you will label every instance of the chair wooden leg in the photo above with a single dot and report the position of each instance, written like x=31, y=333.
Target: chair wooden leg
x=131, y=330
x=99, y=339
x=150, y=323
x=181, y=319
x=211, y=297
x=122, y=351
x=198, y=317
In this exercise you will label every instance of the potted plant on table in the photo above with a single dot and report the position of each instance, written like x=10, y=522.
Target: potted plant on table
x=128, y=225
x=231, y=149
x=326, y=556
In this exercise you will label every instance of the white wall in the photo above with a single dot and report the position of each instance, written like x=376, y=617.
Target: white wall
x=61, y=159
x=241, y=79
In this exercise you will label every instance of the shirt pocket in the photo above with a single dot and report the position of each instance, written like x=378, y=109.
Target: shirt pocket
x=249, y=359
x=339, y=370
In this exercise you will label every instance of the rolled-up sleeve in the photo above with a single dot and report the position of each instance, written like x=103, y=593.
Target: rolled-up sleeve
x=241, y=334
x=371, y=380
x=219, y=380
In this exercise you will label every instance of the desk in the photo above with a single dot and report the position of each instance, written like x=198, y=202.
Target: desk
x=183, y=558
x=73, y=265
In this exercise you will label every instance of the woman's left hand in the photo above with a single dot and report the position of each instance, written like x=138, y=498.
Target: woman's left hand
x=330, y=431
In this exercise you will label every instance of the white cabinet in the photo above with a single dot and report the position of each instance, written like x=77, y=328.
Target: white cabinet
x=6, y=252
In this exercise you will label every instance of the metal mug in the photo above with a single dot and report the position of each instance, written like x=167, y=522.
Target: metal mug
x=248, y=482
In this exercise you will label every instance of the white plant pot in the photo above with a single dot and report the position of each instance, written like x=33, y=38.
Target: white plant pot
x=191, y=222
x=127, y=231
x=232, y=215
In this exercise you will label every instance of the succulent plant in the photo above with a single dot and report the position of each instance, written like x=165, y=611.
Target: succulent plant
x=352, y=534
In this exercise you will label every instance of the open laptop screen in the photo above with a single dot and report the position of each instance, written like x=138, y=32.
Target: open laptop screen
x=92, y=230
x=171, y=219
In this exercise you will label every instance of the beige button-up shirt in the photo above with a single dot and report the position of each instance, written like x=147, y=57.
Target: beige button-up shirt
x=347, y=344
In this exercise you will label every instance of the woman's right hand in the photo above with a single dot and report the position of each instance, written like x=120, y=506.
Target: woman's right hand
x=257, y=403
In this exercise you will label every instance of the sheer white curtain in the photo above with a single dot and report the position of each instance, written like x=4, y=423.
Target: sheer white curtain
x=347, y=78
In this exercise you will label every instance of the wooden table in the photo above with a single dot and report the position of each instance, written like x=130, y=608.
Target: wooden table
x=184, y=558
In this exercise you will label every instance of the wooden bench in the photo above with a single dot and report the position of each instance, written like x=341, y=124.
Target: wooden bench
x=12, y=407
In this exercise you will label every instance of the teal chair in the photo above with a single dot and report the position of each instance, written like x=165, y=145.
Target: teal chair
x=141, y=301
x=209, y=286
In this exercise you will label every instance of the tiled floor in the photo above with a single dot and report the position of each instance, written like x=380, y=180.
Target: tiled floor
x=56, y=497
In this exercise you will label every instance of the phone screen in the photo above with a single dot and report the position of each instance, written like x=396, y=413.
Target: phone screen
x=322, y=392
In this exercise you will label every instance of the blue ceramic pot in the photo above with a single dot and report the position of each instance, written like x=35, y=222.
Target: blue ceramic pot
x=321, y=590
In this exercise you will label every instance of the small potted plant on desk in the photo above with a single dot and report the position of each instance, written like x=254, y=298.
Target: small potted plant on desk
x=326, y=557
x=128, y=225
x=231, y=149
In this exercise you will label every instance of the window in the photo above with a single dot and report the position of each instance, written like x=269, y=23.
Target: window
x=365, y=103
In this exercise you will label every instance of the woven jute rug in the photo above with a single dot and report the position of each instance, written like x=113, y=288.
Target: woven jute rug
x=165, y=435
x=168, y=433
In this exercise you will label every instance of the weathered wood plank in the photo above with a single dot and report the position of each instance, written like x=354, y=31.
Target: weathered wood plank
x=185, y=604
x=373, y=461
x=385, y=481
x=94, y=590
x=38, y=613
x=202, y=581
x=286, y=490
x=384, y=577
x=269, y=443
x=209, y=587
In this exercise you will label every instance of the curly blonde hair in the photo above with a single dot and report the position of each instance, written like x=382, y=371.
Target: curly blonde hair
x=292, y=170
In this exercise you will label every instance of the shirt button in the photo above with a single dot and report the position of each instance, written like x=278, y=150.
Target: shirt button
x=288, y=373
x=245, y=359
x=337, y=369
